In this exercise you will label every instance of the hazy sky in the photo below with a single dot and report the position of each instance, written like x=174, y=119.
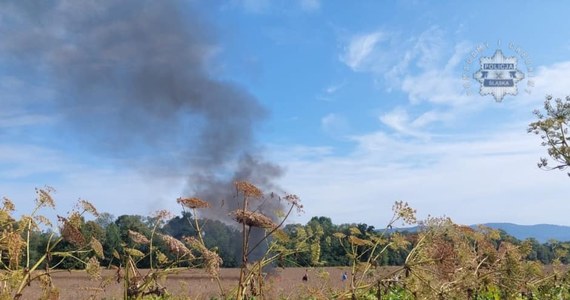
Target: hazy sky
x=361, y=103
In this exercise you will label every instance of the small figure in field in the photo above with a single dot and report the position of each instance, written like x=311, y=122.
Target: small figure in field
x=344, y=276
x=306, y=276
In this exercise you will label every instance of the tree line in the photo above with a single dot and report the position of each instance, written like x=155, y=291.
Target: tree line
x=313, y=244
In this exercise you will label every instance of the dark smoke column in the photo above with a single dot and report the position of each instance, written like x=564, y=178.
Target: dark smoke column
x=132, y=80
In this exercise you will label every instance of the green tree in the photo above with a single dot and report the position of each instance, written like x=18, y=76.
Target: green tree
x=552, y=126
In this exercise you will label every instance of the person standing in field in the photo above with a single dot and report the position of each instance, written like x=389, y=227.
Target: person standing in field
x=344, y=276
x=306, y=276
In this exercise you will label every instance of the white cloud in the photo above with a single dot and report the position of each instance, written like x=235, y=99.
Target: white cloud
x=357, y=55
x=310, y=5
x=334, y=124
x=473, y=179
x=114, y=190
x=333, y=88
x=431, y=116
x=328, y=92
x=429, y=48
x=399, y=120
x=254, y=6
x=391, y=56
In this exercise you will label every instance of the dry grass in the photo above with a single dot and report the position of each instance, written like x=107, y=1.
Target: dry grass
x=196, y=284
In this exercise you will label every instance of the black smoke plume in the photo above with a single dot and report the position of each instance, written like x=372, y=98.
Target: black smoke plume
x=133, y=80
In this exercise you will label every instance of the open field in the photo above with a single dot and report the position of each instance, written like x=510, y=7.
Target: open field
x=196, y=284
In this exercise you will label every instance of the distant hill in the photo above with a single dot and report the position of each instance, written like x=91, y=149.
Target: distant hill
x=541, y=232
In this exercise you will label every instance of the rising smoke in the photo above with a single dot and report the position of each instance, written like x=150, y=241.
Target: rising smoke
x=132, y=79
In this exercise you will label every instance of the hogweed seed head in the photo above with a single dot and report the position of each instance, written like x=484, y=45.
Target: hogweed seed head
x=138, y=238
x=42, y=220
x=211, y=259
x=404, y=212
x=88, y=207
x=175, y=246
x=295, y=201
x=70, y=232
x=93, y=268
x=252, y=219
x=193, y=202
x=8, y=205
x=247, y=189
x=44, y=197
x=13, y=243
x=97, y=247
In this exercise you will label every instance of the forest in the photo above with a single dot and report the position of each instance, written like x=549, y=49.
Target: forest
x=324, y=249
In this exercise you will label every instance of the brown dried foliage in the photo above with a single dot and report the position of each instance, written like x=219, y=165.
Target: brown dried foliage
x=70, y=232
x=138, y=238
x=252, y=219
x=193, y=202
x=97, y=247
x=175, y=246
x=8, y=205
x=211, y=259
x=13, y=243
x=248, y=189
x=88, y=207
x=93, y=268
x=44, y=197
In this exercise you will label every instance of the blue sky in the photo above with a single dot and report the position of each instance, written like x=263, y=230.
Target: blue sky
x=366, y=106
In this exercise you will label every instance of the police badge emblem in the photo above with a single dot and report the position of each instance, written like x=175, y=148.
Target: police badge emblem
x=498, y=75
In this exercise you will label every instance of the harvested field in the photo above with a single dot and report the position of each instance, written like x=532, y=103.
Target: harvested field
x=196, y=284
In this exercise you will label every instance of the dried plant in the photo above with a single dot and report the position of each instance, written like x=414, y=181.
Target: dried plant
x=248, y=190
x=364, y=249
x=15, y=238
x=212, y=260
x=252, y=219
x=193, y=202
x=175, y=246
x=137, y=285
x=138, y=237
x=97, y=248
x=250, y=281
x=70, y=232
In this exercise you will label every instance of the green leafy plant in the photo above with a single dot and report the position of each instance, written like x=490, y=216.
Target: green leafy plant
x=552, y=126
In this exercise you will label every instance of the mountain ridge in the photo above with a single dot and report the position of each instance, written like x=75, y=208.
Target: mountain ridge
x=541, y=232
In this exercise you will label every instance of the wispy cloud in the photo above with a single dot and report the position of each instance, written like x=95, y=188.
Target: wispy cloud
x=115, y=190
x=476, y=178
x=328, y=92
x=310, y=5
x=335, y=125
x=399, y=120
x=333, y=88
x=358, y=53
